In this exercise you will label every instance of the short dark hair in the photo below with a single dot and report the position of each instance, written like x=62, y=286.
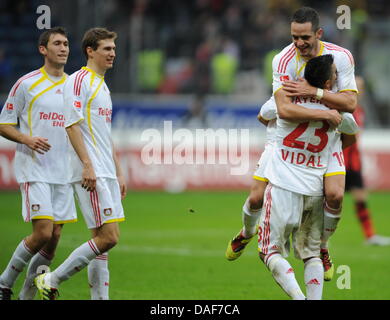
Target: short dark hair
x=318, y=70
x=93, y=36
x=45, y=36
x=307, y=14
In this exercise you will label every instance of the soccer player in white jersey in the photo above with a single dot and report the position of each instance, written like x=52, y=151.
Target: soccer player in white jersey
x=96, y=175
x=33, y=117
x=288, y=66
x=294, y=195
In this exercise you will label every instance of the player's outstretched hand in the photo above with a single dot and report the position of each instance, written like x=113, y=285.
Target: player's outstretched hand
x=88, y=179
x=122, y=186
x=38, y=144
x=334, y=117
x=300, y=88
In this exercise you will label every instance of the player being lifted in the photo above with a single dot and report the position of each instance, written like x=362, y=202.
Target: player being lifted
x=96, y=175
x=294, y=194
x=288, y=68
x=35, y=104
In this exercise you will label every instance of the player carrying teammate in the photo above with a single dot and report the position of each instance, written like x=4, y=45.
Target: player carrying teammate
x=96, y=175
x=35, y=105
x=294, y=195
x=288, y=66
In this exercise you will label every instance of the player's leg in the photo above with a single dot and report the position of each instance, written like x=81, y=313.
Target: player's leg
x=99, y=275
x=276, y=225
x=39, y=261
x=334, y=188
x=354, y=183
x=306, y=243
x=100, y=212
x=250, y=218
x=251, y=210
x=314, y=278
x=27, y=248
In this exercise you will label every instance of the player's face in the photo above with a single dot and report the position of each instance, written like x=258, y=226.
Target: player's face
x=104, y=55
x=305, y=39
x=57, y=50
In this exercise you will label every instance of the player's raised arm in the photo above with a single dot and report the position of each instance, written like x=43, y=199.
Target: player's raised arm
x=293, y=112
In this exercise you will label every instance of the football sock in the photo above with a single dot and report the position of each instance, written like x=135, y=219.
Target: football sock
x=250, y=218
x=98, y=277
x=314, y=278
x=19, y=260
x=331, y=219
x=76, y=261
x=284, y=275
x=364, y=217
x=39, y=259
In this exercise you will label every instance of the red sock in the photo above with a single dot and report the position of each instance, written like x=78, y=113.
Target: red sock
x=364, y=217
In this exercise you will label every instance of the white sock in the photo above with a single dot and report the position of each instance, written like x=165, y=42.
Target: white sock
x=330, y=224
x=76, y=261
x=19, y=260
x=314, y=278
x=250, y=219
x=284, y=275
x=98, y=277
x=39, y=259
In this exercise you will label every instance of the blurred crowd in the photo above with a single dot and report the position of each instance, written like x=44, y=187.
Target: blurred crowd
x=193, y=46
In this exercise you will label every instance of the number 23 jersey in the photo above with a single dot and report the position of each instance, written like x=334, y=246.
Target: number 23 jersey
x=301, y=154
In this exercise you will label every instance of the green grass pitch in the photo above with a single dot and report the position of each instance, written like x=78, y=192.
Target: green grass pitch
x=168, y=252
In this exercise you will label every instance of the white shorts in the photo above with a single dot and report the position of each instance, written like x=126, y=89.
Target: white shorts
x=288, y=213
x=336, y=164
x=102, y=205
x=262, y=163
x=41, y=200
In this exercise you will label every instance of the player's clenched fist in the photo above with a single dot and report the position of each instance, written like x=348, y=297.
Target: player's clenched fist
x=334, y=117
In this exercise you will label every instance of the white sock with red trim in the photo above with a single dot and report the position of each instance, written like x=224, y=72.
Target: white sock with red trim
x=314, y=278
x=19, y=260
x=98, y=277
x=76, y=261
x=250, y=219
x=331, y=219
x=38, y=260
x=284, y=275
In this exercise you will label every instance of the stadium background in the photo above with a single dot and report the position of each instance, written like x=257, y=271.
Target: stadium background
x=200, y=64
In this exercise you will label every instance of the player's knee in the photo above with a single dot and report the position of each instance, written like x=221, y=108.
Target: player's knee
x=43, y=236
x=334, y=197
x=255, y=201
x=56, y=233
x=111, y=240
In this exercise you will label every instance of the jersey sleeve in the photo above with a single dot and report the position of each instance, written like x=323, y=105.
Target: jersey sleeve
x=13, y=106
x=281, y=70
x=348, y=125
x=75, y=97
x=346, y=72
x=268, y=110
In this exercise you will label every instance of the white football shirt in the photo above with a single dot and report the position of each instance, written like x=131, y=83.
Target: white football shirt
x=88, y=102
x=35, y=103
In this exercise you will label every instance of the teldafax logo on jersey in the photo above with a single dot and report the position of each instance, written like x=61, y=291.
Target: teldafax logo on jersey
x=197, y=147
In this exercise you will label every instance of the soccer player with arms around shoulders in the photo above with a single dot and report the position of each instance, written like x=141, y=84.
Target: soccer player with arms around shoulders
x=96, y=175
x=288, y=68
x=35, y=105
x=294, y=196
